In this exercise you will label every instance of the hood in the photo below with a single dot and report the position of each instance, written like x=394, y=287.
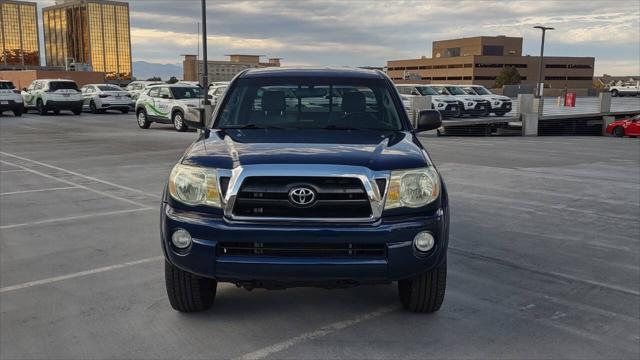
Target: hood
x=444, y=97
x=496, y=97
x=375, y=150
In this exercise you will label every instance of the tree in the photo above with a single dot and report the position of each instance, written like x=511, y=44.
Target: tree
x=172, y=80
x=508, y=76
x=154, y=78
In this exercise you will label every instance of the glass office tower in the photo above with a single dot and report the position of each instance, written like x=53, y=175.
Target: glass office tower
x=92, y=32
x=19, y=33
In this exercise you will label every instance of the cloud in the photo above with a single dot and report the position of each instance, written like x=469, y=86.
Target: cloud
x=370, y=32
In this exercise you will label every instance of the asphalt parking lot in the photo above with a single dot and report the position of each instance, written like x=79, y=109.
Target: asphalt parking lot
x=544, y=258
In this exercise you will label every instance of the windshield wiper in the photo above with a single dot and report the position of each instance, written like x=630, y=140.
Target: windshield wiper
x=252, y=126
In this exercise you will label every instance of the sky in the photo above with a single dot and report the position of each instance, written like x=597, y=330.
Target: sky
x=368, y=33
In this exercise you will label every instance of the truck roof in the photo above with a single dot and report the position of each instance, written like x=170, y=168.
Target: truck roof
x=342, y=72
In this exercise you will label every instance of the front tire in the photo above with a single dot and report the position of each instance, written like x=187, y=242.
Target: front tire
x=77, y=111
x=499, y=113
x=18, y=111
x=188, y=292
x=125, y=111
x=143, y=122
x=178, y=121
x=93, y=108
x=424, y=293
x=41, y=108
x=618, y=131
x=614, y=93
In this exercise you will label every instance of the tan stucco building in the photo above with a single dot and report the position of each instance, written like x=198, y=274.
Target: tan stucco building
x=479, y=60
x=223, y=70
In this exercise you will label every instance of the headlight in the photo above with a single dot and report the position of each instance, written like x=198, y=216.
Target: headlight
x=440, y=104
x=469, y=104
x=194, y=185
x=412, y=188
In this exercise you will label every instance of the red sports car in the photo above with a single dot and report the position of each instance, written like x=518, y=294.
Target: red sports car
x=622, y=127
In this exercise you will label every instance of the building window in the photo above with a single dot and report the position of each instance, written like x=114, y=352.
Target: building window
x=454, y=78
x=555, y=78
x=579, y=78
x=467, y=78
x=489, y=65
x=468, y=65
x=577, y=66
x=454, y=66
x=485, y=77
x=412, y=68
x=439, y=78
x=426, y=67
x=451, y=52
x=555, y=66
x=439, y=66
x=493, y=50
x=518, y=66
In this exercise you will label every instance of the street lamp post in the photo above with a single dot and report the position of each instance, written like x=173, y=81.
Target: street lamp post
x=205, y=68
x=207, y=109
x=540, y=78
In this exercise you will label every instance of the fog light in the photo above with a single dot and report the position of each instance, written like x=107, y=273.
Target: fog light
x=181, y=239
x=424, y=241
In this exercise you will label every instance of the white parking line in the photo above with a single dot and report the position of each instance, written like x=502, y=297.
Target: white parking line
x=81, y=175
x=78, y=274
x=11, y=171
x=38, y=190
x=75, y=184
x=68, y=218
x=323, y=331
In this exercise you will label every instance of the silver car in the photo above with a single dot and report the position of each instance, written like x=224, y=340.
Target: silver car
x=98, y=98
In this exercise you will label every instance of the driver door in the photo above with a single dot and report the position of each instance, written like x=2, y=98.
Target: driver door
x=27, y=96
x=634, y=128
x=163, y=103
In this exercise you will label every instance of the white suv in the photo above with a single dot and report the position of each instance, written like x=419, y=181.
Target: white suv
x=10, y=99
x=136, y=87
x=216, y=90
x=447, y=105
x=499, y=104
x=169, y=104
x=101, y=97
x=472, y=104
x=53, y=95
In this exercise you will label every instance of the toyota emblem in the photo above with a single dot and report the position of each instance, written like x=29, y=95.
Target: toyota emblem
x=302, y=196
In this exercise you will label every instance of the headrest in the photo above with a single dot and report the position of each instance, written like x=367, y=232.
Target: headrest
x=353, y=102
x=273, y=101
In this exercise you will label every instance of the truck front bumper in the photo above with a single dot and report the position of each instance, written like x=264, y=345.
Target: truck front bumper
x=400, y=260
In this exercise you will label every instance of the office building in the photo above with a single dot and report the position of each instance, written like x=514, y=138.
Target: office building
x=479, y=60
x=90, y=32
x=19, y=34
x=223, y=70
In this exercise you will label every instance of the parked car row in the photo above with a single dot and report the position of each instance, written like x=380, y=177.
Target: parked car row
x=458, y=100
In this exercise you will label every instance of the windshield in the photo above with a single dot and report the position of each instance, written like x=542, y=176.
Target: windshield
x=470, y=91
x=481, y=91
x=184, y=92
x=456, y=90
x=58, y=85
x=6, y=85
x=109, y=88
x=425, y=90
x=310, y=103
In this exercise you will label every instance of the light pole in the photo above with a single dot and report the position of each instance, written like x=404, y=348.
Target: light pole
x=540, y=79
x=207, y=109
x=205, y=68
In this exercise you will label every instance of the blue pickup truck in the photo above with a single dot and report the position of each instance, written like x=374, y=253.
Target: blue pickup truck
x=307, y=177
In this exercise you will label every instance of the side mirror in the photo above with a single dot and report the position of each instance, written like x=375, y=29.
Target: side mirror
x=24, y=89
x=428, y=120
